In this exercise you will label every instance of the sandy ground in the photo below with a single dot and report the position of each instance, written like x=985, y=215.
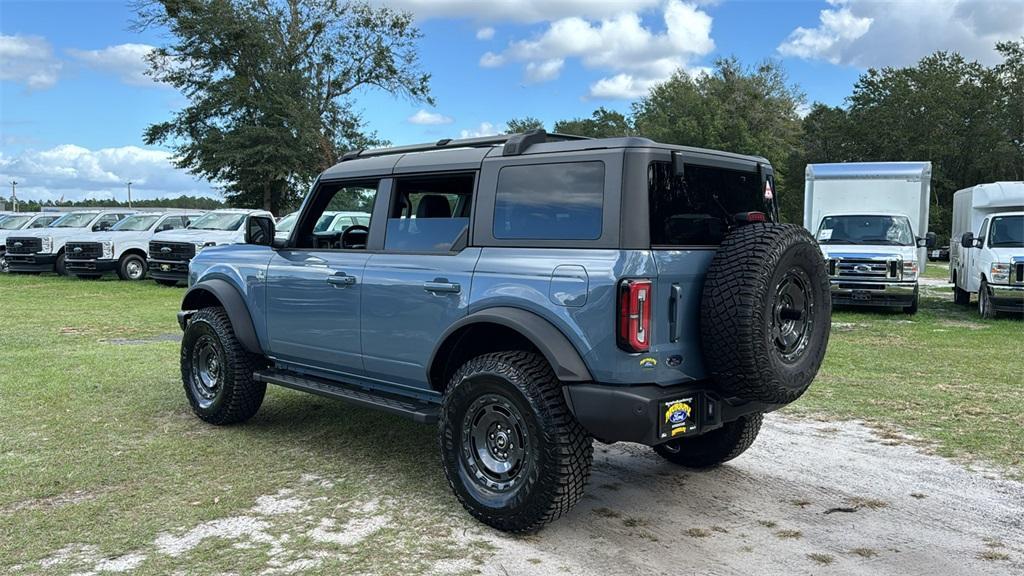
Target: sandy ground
x=807, y=498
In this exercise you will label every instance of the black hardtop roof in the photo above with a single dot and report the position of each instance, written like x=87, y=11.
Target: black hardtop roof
x=461, y=153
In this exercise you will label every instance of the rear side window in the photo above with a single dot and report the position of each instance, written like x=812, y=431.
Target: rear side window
x=699, y=208
x=562, y=201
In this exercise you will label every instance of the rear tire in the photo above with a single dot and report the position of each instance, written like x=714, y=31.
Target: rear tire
x=132, y=267
x=960, y=296
x=766, y=312
x=217, y=371
x=715, y=447
x=513, y=454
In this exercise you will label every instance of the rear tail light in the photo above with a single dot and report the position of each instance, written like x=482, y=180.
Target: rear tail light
x=634, y=324
x=748, y=217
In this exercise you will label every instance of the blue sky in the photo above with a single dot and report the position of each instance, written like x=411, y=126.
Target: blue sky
x=74, y=104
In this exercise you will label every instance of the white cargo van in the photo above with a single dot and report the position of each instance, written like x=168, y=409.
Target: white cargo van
x=871, y=219
x=986, y=247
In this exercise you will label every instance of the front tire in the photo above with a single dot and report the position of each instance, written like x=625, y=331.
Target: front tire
x=912, y=309
x=217, y=371
x=132, y=268
x=715, y=447
x=985, y=302
x=513, y=454
x=60, y=267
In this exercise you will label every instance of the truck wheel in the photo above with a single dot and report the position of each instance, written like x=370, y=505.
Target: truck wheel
x=59, y=266
x=961, y=297
x=985, y=302
x=166, y=282
x=766, y=313
x=912, y=309
x=513, y=454
x=715, y=447
x=217, y=372
x=132, y=267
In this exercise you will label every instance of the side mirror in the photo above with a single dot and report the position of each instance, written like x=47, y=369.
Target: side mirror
x=678, y=167
x=967, y=240
x=929, y=240
x=259, y=230
x=101, y=227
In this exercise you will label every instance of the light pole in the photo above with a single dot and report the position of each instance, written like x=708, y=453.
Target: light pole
x=14, y=194
x=129, y=193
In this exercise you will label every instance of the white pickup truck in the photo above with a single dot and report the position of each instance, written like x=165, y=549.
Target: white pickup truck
x=9, y=222
x=870, y=219
x=42, y=249
x=986, y=252
x=124, y=249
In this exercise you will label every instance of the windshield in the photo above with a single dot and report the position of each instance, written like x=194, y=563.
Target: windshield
x=74, y=220
x=868, y=230
x=1007, y=232
x=135, y=223
x=287, y=223
x=13, y=222
x=218, y=221
x=324, y=223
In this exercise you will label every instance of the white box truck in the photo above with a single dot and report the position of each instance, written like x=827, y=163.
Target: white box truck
x=986, y=247
x=871, y=220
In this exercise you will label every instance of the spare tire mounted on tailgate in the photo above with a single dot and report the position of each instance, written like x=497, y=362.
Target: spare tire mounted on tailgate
x=766, y=313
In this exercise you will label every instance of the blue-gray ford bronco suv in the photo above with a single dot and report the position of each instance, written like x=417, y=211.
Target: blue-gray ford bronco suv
x=528, y=294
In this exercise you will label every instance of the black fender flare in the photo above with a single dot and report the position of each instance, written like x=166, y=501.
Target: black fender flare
x=231, y=300
x=563, y=357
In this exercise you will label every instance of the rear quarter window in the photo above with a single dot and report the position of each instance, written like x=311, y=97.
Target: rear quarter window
x=562, y=201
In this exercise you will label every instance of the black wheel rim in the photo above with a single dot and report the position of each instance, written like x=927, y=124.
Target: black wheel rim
x=495, y=444
x=792, y=314
x=207, y=370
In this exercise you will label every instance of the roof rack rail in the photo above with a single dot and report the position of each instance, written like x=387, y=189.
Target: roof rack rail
x=514, y=144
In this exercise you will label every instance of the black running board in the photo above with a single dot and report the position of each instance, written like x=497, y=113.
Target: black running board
x=418, y=411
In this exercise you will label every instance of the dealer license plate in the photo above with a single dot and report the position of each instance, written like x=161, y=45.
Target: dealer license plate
x=679, y=417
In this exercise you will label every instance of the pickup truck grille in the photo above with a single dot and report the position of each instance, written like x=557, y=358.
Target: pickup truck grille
x=17, y=245
x=865, y=269
x=172, y=251
x=83, y=250
x=1018, y=273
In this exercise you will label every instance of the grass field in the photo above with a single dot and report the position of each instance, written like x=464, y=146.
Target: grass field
x=97, y=444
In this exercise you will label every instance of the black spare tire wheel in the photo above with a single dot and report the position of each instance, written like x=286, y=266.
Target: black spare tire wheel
x=766, y=313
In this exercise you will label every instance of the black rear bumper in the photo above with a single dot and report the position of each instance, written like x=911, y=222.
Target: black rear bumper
x=644, y=414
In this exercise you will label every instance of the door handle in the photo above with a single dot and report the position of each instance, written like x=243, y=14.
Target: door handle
x=442, y=287
x=341, y=280
x=674, y=307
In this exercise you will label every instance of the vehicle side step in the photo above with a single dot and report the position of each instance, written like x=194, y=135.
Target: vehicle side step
x=419, y=411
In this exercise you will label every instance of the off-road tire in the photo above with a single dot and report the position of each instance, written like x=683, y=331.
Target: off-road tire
x=166, y=282
x=741, y=307
x=59, y=266
x=985, y=309
x=715, y=447
x=238, y=395
x=558, y=451
x=123, y=271
x=912, y=309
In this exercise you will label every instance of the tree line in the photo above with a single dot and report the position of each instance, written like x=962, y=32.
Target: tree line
x=191, y=202
x=272, y=86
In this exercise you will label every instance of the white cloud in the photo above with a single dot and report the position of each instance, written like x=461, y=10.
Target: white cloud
x=425, y=118
x=622, y=44
x=126, y=61
x=484, y=129
x=28, y=60
x=544, y=71
x=485, y=33
x=77, y=173
x=519, y=10
x=866, y=33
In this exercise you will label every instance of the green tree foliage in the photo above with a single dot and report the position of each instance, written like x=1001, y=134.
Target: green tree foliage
x=734, y=108
x=193, y=202
x=1010, y=75
x=603, y=123
x=270, y=85
x=525, y=124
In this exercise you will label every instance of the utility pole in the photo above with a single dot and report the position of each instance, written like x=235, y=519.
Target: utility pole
x=129, y=194
x=14, y=194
